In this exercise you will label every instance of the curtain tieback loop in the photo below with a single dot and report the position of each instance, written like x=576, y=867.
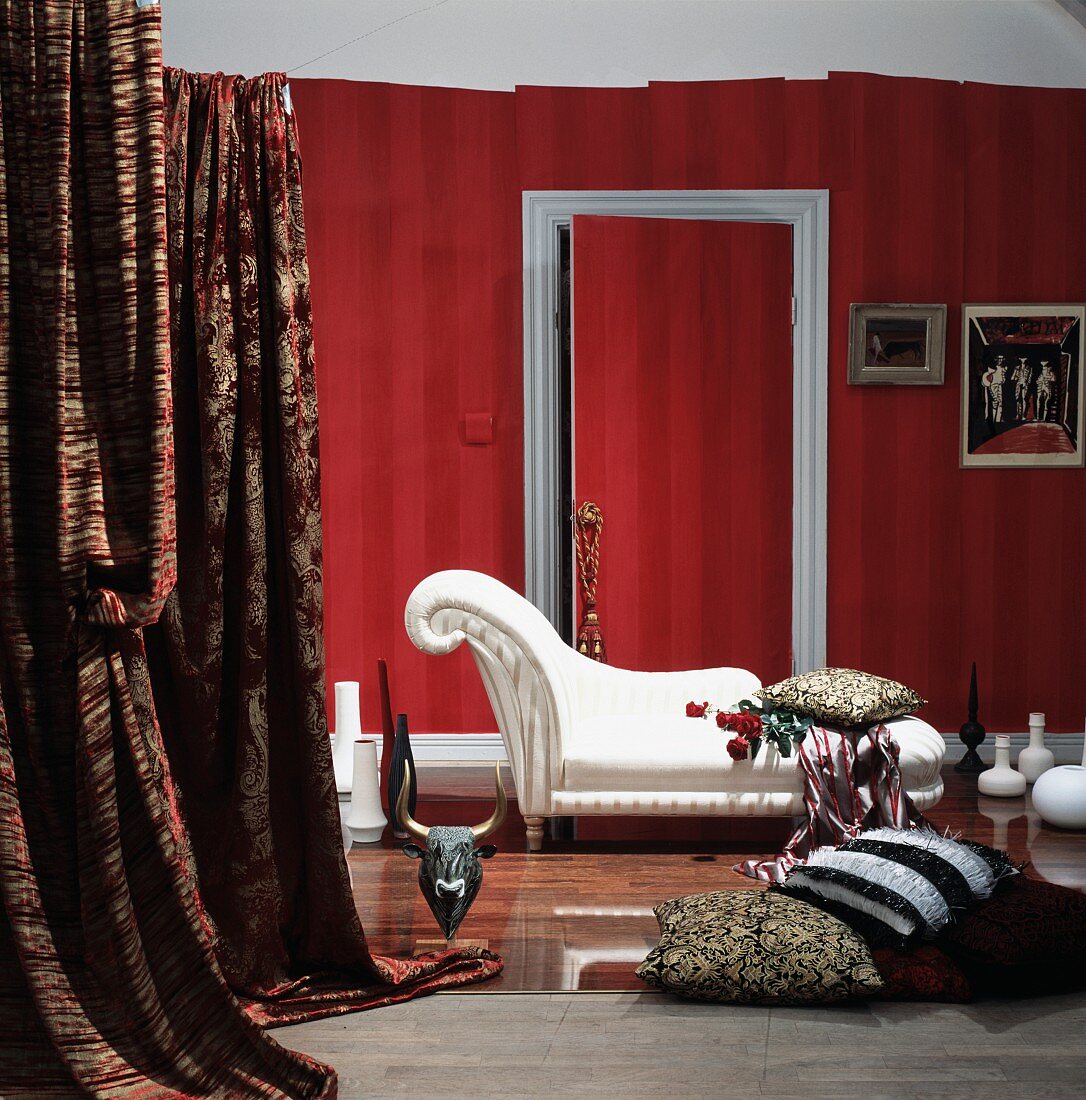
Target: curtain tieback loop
x=588, y=528
x=103, y=607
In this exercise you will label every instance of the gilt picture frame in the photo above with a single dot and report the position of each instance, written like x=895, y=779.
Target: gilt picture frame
x=1022, y=386
x=896, y=344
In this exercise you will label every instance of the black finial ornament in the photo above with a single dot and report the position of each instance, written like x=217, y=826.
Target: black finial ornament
x=972, y=733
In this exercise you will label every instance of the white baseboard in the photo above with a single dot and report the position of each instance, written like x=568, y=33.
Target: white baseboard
x=455, y=747
x=1066, y=747
x=472, y=748
x=452, y=748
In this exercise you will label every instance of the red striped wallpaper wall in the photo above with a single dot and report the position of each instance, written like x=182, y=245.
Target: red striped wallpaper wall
x=413, y=222
x=940, y=192
x=682, y=351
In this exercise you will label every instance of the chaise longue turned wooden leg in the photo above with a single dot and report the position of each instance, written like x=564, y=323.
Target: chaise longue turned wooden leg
x=535, y=833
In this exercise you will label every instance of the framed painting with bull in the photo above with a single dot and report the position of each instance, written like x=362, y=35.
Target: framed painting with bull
x=1022, y=385
x=892, y=345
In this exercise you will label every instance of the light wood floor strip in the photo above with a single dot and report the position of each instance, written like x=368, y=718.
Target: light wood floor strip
x=641, y=1046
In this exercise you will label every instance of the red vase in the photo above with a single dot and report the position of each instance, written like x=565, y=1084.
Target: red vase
x=388, y=730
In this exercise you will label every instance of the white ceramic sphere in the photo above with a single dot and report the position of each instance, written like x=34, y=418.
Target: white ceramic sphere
x=1059, y=796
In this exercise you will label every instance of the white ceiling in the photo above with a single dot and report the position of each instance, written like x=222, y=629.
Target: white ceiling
x=502, y=43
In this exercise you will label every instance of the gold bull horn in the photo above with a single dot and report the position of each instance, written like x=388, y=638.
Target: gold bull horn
x=498, y=816
x=410, y=825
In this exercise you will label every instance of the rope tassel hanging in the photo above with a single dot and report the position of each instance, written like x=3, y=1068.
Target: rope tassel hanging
x=588, y=527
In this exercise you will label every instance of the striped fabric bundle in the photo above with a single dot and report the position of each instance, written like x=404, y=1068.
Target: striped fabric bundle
x=895, y=886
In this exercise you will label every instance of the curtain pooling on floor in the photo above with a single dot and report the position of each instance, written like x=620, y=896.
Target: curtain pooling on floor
x=237, y=658
x=108, y=982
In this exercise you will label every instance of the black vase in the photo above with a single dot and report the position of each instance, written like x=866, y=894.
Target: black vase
x=401, y=754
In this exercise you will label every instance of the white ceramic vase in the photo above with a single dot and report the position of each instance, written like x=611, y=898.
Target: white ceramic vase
x=1059, y=795
x=348, y=731
x=1035, y=760
x=366, y=820
x=1002, y=781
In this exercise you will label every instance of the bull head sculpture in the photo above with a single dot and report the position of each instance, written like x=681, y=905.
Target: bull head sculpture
x=450, y=873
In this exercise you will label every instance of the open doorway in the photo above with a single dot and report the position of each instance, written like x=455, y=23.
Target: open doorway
x=550, y=387
x=680, y=364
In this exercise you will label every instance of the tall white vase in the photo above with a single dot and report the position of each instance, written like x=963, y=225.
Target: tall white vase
x=366, y=820
x=1035, y=760
x=1002, y=781
x=348, y=731
x=1059, y=795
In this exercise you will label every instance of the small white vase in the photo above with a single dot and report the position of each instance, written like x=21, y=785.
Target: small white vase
x=1002, y=781
x=365, y=820
x=1035, y=760
x=1059, y=796
x=348, y=731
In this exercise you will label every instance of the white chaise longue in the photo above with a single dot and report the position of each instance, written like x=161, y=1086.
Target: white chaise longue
x=585, y=738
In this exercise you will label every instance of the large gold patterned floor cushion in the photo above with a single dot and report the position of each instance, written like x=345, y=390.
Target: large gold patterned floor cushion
x=754, y=947
x=842, y=697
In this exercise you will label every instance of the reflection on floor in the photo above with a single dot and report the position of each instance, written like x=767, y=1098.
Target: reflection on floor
x=578, y=915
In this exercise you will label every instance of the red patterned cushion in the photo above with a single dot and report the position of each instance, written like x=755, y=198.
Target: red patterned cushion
x=1029, y=937
x=926, y=974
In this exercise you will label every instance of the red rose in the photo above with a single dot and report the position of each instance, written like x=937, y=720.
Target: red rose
x=748, y=726
x=738, y=748
x=726, y=721
x=722, y=719
x=696, y=710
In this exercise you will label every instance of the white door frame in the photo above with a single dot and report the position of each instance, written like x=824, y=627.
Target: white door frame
x=808, y=214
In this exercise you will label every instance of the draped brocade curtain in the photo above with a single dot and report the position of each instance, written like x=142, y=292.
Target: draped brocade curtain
x=108, y=982
x=237, y=658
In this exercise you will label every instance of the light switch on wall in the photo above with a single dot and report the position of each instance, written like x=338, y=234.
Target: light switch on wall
x=477, y=429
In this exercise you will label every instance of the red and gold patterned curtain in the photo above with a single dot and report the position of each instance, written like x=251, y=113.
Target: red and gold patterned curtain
x=238, y=654
x=110, y=984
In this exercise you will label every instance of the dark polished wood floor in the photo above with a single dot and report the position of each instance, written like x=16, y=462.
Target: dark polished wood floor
x=578, y=915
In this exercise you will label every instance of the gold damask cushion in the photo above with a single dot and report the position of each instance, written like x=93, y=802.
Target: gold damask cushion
x=755, y=947
x=842, y=697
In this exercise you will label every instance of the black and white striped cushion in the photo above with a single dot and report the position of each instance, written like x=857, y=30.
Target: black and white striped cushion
x=898, y=885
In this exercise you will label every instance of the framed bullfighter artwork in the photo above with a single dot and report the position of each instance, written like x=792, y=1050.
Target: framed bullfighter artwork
x=1022, y=385
x=894, y=345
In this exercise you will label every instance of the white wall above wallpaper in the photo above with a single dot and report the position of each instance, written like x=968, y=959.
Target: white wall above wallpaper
x=502, y=43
